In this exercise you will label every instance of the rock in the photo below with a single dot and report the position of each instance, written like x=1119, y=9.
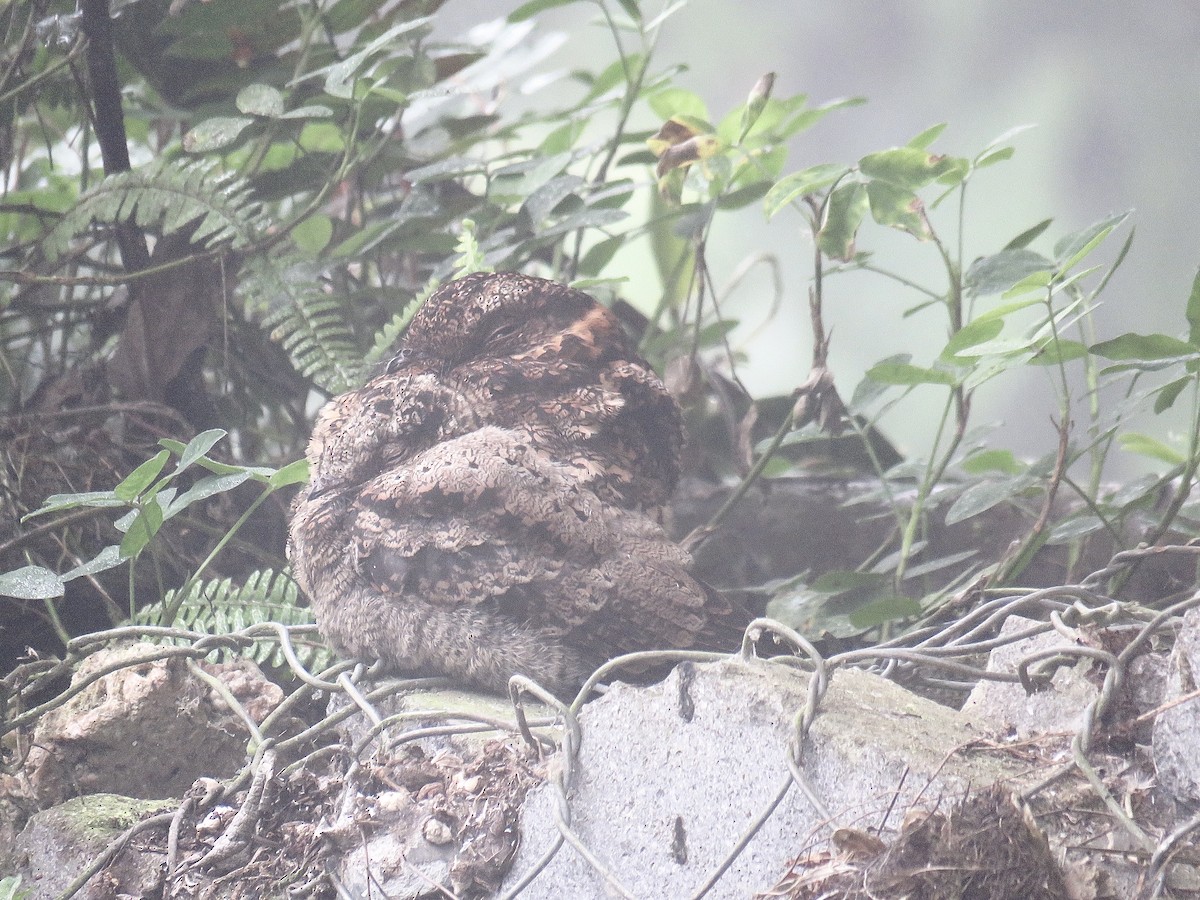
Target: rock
x=447, y=820
x=450, y=817
x=394, y=855
x=146, y=730
x=669, y=777
x=1177, y=729
x=59, y=843
x=1060, y=706
x=432, y=709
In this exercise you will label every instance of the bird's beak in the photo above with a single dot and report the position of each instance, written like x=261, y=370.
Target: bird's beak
x=316, y=487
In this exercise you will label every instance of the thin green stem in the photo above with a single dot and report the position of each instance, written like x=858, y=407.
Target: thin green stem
x=56, y=623
x=186, y=588
x=1187, y=478
x=132, y=588
x=1064, y=398
x=933, y=473
x=48, y=72
x=633, y=82
x=263, y=145
x=701, y=534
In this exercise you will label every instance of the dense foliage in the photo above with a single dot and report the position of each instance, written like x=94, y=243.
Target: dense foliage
x=217, y=214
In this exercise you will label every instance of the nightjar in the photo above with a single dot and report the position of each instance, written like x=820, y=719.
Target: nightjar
x=488, y=505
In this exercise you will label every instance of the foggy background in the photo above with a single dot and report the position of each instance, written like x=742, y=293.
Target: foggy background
x=1113, y=90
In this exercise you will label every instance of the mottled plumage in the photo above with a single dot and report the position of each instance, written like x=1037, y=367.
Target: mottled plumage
x=488, y=505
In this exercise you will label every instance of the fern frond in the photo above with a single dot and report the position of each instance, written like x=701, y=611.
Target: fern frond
x=309, y=322
x=385, y=337
x=165, y=197
x=473, y=258
x=470, y=261
x=220, y=606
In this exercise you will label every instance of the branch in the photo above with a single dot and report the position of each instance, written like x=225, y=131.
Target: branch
x=109, y=119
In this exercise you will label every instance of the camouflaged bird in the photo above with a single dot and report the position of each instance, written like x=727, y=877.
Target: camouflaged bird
x=488, y=506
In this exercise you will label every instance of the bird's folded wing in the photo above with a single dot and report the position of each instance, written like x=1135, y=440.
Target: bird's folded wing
x=488, y=520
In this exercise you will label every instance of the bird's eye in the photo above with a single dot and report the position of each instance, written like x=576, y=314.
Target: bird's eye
x=503, y=332
x=399, y=360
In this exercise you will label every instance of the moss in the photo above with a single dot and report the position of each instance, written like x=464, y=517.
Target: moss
x=102, y=815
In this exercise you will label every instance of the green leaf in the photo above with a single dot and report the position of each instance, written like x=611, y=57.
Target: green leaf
x=342, y=75
x=868, y=390
x=1143, y=347
x=1084, y=251
x=1144, y=445
x=313, y=234
x=443, y=169
x=108, y=558
x=887, y=609
x=599, y=285
x=631, y=9
x=801, y=184
x=897, y=207
x=983, y=496
x=540, y=203
x=1193, y=311
x=533, y=7
x=1002, y=347
x=215, y=133
x=196, y=447
x=1169, y=393
x=10, y=889
x=844, y=212
x=1074, y=528
x=927, y=137
x=1034, y=281
x=806, y=118
x=1140, y=492
x=204, y=488
x=935, y=565
x=259, y=473
x=60, y=502
x=894, y=372
x=1074, y=246
x=991, y=157
x=142, y=529
x=260, y=100
x=954, y=174
x=31, y=583
x=1055, y=352
x=315, y=111
x=1004, y=138
x=1028, y=236
x=970, y=335
x=909, y=168
x=1004, y=309
x=293, y=473
x=613, y=75
x=839, y=582
x=562, y=139
x=984, y=461
x=997, y=273
x=141, y=477
x=600, y=255
x=678, y=103
x=993, y=363
x=744, y=195
x=321, y=137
